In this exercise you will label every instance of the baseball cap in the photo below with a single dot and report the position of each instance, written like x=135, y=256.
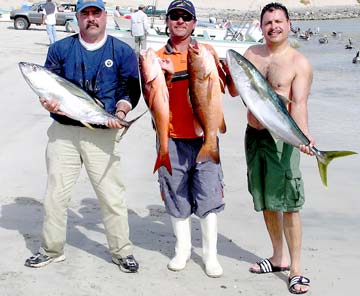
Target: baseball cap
x=82, y=4
x=182, y=4
x=141, y=6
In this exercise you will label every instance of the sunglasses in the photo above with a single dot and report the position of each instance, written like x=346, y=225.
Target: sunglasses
x=186, y=17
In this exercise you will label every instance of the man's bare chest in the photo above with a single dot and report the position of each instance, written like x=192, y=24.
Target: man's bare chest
x=277, y=73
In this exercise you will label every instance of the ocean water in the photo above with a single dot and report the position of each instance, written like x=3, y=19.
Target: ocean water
x=334, y=102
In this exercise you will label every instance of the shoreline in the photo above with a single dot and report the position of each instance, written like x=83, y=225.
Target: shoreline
x=295, y=14
x=329, y=11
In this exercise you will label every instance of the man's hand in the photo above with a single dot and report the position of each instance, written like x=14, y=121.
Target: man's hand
x=228, y=79
x=51, y=105
x=167, y=65
x=113, y=123
x=307, y=149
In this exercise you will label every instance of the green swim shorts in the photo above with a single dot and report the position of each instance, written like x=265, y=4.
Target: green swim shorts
x=274, y=177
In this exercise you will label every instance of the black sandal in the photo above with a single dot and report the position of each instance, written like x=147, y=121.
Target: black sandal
x=298, y=280
x=266, y=266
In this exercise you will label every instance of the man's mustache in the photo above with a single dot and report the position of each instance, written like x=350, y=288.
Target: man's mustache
x=274, y=30
x=91, y=23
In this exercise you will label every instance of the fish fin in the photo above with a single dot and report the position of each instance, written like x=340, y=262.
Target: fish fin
x=72, y=88
x=323, y=159
x=151, y=97
x=222, y=86
x=284, y=99
x=274, y=136
x=87, y=125
x=222, y=77
x=222, y=127
x=97, y=101
x=151, y=77
x=168, y=78
x=129, y=123
x=243, y=102
x=153, y=73
x=198, y=128
x=206, y=154
x=163, y=160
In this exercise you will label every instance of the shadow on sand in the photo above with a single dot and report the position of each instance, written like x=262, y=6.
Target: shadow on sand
x=152, y=232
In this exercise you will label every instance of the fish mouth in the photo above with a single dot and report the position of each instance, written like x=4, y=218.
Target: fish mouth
x=194, y=48
x=27, y=67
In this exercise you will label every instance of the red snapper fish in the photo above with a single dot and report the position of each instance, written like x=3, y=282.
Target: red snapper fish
x=156, y=96
x=206, y=97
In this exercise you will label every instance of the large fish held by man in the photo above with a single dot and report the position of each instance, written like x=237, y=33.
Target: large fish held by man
x=156, y=96
x=206, y=97
x=75, y=103
x=270, y=109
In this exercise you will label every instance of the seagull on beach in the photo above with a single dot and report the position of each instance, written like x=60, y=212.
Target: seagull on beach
x=349, y=45
x=304, y=35
x=336, y=34
x=323, y=39
x=356, y=59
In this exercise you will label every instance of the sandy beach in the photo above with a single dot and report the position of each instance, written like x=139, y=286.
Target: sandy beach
x=331, y=219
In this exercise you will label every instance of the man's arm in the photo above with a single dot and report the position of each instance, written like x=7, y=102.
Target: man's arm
x=300, y=89
x=146, y=24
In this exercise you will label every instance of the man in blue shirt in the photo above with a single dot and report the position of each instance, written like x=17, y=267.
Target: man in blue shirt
x=107, y=69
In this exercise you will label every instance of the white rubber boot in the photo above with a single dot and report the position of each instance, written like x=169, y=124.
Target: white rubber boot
x=209, y=242
x=182, y=231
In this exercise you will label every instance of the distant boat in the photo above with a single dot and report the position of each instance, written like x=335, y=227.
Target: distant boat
x=156, y=41
x=225, y=31
x=209, y=35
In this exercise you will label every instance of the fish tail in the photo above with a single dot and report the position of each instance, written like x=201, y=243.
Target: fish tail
x=129, y=123
x=163, y=160
x=206, y=154
x=323, y=159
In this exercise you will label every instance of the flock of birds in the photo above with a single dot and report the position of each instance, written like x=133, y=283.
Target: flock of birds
x=306, y=35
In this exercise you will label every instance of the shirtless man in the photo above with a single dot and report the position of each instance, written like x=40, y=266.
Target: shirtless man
x=274, y=177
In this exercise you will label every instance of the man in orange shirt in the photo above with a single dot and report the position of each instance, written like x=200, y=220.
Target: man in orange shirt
x=193, y=188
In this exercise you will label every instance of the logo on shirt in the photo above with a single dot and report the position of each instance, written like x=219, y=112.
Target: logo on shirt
x=109, y=63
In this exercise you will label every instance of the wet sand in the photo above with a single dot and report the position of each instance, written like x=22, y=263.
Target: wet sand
x=330, y=216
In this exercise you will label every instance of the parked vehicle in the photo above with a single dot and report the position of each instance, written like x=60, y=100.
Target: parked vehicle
x=23, y=18
x=152, y=11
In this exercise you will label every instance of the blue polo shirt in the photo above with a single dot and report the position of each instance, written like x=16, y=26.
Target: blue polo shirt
x=109, y=73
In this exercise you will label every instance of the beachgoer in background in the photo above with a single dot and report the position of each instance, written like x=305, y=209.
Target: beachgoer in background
x=117, y=14
x=139, y=28
x=49, y=19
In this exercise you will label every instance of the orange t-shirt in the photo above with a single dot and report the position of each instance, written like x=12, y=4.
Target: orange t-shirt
x=183, y=124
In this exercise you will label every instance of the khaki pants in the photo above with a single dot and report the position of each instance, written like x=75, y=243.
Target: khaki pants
x=140, y=43
x=68, y=148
